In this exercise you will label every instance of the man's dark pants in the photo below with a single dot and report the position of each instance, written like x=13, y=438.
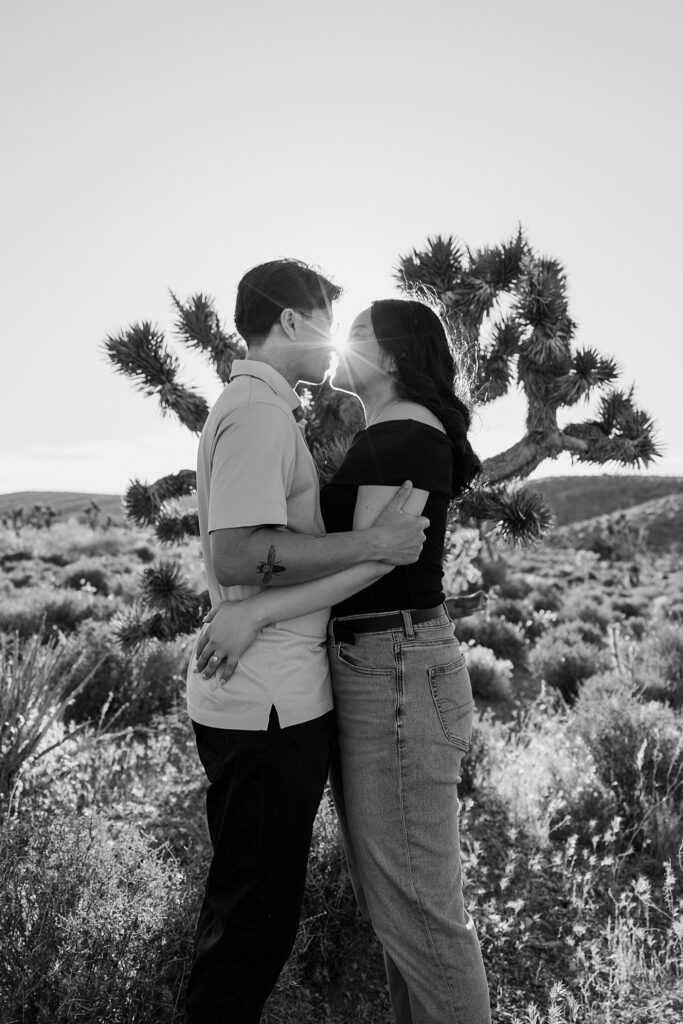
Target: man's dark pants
x=263, y=795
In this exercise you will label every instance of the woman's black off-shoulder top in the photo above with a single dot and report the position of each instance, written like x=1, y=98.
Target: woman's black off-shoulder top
x=389, y=453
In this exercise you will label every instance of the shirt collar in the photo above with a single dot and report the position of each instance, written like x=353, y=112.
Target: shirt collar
x=270, y=376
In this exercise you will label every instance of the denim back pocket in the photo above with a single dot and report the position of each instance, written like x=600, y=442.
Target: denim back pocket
x=452, y=695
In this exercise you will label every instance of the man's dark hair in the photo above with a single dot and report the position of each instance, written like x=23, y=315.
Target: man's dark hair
x=267, y=289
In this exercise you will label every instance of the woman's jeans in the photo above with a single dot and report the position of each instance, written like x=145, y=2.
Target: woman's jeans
x=404, y=717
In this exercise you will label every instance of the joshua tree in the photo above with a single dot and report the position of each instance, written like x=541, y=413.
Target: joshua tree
x=507, y=309
x=91, y=513
x=17, y=517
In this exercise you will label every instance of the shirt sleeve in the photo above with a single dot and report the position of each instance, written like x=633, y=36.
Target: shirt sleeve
x=252, y=465
x=407, y=450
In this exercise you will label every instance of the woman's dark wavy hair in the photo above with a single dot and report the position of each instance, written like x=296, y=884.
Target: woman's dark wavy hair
x=413, y=334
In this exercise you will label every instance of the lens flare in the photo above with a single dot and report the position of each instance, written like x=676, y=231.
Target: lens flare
x=334, y=363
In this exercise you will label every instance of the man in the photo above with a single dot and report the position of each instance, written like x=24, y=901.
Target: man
x=265, y=737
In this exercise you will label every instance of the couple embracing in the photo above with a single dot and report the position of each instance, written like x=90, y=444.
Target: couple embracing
x=329, y=650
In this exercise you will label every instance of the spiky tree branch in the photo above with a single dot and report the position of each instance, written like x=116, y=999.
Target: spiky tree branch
x=198, y=326
x=140, y=353
x=510, y=308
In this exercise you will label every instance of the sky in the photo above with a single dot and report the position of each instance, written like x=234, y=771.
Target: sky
x=158, y=144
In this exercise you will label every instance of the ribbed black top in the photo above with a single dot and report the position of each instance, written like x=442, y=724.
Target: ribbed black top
x=389, y=453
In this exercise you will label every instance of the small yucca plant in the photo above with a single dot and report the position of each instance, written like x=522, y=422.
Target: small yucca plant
x=34, y=694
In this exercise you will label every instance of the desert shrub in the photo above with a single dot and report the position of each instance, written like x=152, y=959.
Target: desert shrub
x=635, y=628
x=69, y=541
x=564, y=660
x=587, y=607
x=34, y=693
x=460, y=570
x=637, y=748
x=147, y=776
x=145, y=553
x=512, y=609
x=96, y=546
x=538, y=624
x=675, y=611
x=56, y=611
x=55, y=558
x=582, y=810
x=21, y=579
x=658, y=664
x=493, y=573
x=134, y=686
x=520, y=613
x=515, y=588
x=546, y=597
x=491, y=677
x=29, y=574
x=11, y=558
x=618, y=539
x=536, y=769
x=117, y=575
x=98, y=923
x=579, y=630
x=505, y=639
x=630, y=607
x=87, y=575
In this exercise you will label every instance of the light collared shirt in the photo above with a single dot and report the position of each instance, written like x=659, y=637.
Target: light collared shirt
x=254, y=469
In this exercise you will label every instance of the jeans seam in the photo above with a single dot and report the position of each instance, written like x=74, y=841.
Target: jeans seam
x=399, y=688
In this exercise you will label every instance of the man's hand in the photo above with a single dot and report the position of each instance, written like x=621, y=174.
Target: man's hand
x=402, y=534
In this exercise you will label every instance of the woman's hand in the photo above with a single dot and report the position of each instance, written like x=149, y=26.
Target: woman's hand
x=232, y=628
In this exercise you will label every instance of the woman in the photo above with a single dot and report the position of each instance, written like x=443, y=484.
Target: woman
x=402, y=693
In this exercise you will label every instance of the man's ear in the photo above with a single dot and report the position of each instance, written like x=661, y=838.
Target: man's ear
x=288, y=323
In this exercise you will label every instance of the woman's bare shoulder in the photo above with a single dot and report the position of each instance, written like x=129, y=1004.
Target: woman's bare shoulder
x=410, y=411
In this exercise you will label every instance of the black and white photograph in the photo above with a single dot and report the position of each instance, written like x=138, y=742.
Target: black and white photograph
x=341, y=512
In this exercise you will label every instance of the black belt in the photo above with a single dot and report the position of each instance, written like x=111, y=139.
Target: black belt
x=346, y=629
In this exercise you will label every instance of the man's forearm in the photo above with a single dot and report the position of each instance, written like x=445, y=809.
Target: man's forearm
x=279, y=557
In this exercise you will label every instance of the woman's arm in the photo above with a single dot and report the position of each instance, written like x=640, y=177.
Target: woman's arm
x=234, y=625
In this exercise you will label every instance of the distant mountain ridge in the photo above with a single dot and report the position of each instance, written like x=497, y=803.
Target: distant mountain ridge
x=575, y=498
x=572, y=498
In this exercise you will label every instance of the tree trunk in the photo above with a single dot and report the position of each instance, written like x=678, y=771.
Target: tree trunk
x=523, y=457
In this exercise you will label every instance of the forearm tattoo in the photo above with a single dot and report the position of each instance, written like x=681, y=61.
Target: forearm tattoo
x=271, y=567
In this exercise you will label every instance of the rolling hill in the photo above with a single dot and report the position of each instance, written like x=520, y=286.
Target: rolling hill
x=65, y=503
x=661, y=520
x=574, y=498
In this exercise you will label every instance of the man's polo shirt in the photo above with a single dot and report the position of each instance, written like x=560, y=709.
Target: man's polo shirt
x=254, y=469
